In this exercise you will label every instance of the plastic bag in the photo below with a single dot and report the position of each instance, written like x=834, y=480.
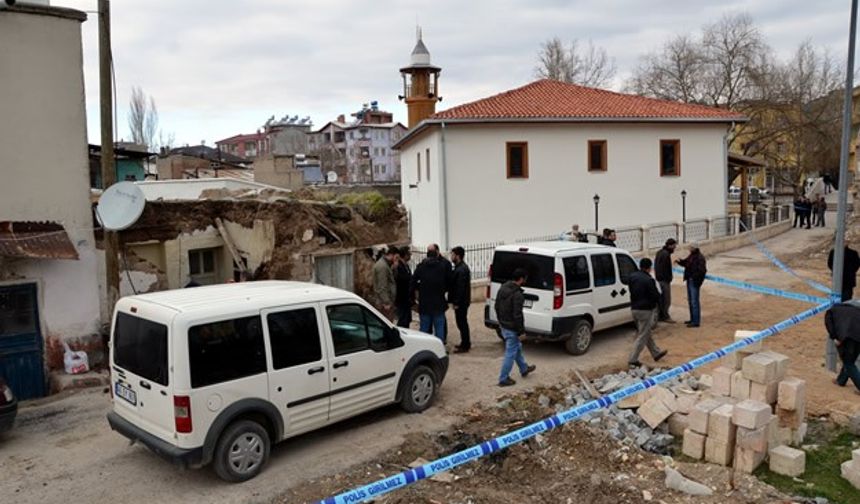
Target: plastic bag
x=75, y=362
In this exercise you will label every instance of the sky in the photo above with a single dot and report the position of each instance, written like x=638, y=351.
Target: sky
x=218, y=68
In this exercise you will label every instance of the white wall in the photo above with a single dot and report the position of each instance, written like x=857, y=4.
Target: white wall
x=44, y=161
x=483, y=205
x=423, y=202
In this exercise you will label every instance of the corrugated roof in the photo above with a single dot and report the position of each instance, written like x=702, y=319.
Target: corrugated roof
x=35, y=240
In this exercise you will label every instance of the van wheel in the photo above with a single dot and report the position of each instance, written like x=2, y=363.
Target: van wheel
x=242, y=451
x=580, y=338
x=420, y=390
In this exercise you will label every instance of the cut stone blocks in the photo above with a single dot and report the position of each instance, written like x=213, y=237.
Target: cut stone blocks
x=694, y=445
x=782, y=362
x=736, y=360
x=698, y=418
x=759, y=368
x=678, y=423
x=851, y=472
x=755, y=347
x=751, y=414
x=720, y=426
x=748, y=461
x=722, y=381
x=799, y=434
x=792, y=394
x=666, y=396
x=687, y=401
x=740, y=386
x=752, y=439
x=787, y=461
x=718, y=451
x=773, y=434
x=768, y=393
x=654, y=412
x=792, y=419
x=855, y=457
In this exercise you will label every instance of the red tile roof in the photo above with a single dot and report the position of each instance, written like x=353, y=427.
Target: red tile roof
x=554, y=100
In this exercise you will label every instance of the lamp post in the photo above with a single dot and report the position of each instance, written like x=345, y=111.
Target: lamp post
x=684, y=212
x=596, y=220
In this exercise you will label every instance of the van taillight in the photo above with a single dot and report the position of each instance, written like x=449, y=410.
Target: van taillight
x=182, y=413
x=557, y=291
x=489, y=280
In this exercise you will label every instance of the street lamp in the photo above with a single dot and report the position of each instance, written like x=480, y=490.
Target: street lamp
x=684, y=212
x=596, y=203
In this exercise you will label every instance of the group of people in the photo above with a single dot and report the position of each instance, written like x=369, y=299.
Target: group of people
x=810, y=212
x=436, y=284
x=607, y=237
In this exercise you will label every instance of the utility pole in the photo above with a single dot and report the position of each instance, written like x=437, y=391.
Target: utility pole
x=110, y=238
x=839, y=246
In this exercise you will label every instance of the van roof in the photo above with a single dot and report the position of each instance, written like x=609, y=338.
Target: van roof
x=225, y=296
x=552, y=247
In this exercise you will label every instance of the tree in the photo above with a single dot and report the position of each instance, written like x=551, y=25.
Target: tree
x=142, y=118
x=588, y=66
x=673, y=73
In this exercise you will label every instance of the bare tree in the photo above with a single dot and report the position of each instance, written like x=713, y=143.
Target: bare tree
x=142, y=118
x=588, y=66
x=673, y=73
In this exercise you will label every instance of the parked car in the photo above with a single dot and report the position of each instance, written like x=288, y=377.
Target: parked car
x=217, y=374
x=8, y=406
x=573, y=289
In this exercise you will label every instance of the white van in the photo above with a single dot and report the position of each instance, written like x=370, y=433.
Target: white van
x=572, y=289
x=217, y=374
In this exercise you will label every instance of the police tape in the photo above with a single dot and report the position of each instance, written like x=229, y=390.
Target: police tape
x=761, y=289
x=405, y=478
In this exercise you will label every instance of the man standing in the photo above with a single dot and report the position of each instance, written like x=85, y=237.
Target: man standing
x=576, y=235
x=403, y=277
x=695, y=269
x=460, y=296
x=644, y=298
x=663, y=273
x=608, y=238
x=807, y=213
x=851, y=264
x=798, y=212
x=509, y=311
x=384, y=288
x=430, y=281
x=822, y=211
x=843, y=326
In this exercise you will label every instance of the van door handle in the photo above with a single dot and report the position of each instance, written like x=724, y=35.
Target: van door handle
x=340, y=364
x=145, y=385
x=316, y=370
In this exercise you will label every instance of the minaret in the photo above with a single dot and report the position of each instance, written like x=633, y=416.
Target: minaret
x=421, y=89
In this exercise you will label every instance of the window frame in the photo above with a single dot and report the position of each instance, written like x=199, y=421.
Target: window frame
x=525, y=159
x=275, y=312
x=623, y=257
x=418, y=158
x=427, y=162
x=676, y=143
x=196, y=257
x=571, y=286
x=195, y=379
x=603, y=149
x=365, y=311
x=595, y=270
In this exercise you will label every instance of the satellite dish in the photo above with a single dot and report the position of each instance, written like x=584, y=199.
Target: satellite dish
x=120, y=206
x=331, y=177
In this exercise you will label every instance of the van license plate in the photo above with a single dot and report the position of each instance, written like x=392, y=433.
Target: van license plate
x=528, y=303
x=126, y=393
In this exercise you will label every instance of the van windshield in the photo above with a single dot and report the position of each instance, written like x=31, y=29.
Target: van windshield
x=140, y=347
x=540, y=268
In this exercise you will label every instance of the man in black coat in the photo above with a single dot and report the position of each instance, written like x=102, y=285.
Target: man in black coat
x=431, y=281
x=695, y=268
x=663, y=274
x=644, y=298
x=403, y=279
x=849, y=271
x=843, y=325
x=460, y=296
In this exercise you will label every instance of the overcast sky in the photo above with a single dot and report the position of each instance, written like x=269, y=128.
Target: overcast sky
x=219, y=68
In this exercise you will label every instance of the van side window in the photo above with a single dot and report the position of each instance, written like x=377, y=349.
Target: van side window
x=604, y=269
x=226, y=350
x=625, y=267
x=576, y=273
x=354, y=328
x=295, y=337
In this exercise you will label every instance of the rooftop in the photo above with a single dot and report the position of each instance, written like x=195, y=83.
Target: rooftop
x=193, y=189
x=550, y=247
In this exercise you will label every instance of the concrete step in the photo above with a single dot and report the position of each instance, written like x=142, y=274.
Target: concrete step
x=60, y=381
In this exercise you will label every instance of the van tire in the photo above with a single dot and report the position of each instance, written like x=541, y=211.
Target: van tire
x=580, y=338
x=242, y=436
x=420, y=390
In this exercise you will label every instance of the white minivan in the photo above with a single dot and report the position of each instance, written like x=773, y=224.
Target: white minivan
x=572, y=290
x=217, y=374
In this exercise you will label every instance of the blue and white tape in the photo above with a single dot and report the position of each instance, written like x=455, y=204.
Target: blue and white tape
x=449, y=462
x=762, y=289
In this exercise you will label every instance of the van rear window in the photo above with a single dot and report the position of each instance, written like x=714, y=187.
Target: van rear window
x=540, y=268
x=226, y=350
x=140, y=347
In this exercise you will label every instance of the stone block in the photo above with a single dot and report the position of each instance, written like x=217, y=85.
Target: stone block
x=782, y=362
x=791, y=419
x=667, y=396
x=851, y=471
x=747, y=460
x=634, y=401
x=755, y=347
x=654, y=412
x=718, y=451
x=698, y=418
x=693, y=445
x=752, y=439
x=799, y=435
x=773, y=438
x=855, y=457
x=792, y=394
x=720, y=426
x=751, y=414
x=740, y=386
x=759, y=368
x=787, y=461
x=678, y=423
x=687, y=401
x=767, y=393
x=735, y=360
x=722, y=381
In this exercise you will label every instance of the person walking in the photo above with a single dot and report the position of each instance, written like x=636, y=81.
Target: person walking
x=644, y=300
x=403, y=277
x=851, y=264
x=460, y=296
x=509, y=311
x=663, y=273
x=843, y=326
x=822, y=211
x=695, y=269
x=384, y=287
x=430, y=282
x=798, y=212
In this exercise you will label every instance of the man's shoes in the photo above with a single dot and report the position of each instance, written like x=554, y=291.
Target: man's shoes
x=507, y=382
x=688, y=322
x=668, y=320
x=461, y=349
x=633, y=365
x=693, y=325
x=660, y=355
x=530, y=369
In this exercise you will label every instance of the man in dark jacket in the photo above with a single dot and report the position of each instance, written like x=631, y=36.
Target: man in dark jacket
x=403, y=278
x=843, y=325
x=849, y=271
x=695, y=269
x=430, y=281
x=509, y=311
x=644, y=298
x=460, y=296
x=798, y=212
x=608, y=238
x=663, y=273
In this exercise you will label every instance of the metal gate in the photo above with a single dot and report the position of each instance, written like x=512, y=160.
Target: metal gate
x=335, y=271
x=21, y=356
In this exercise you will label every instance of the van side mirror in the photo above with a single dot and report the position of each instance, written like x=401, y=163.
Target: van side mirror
x=392, y=338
